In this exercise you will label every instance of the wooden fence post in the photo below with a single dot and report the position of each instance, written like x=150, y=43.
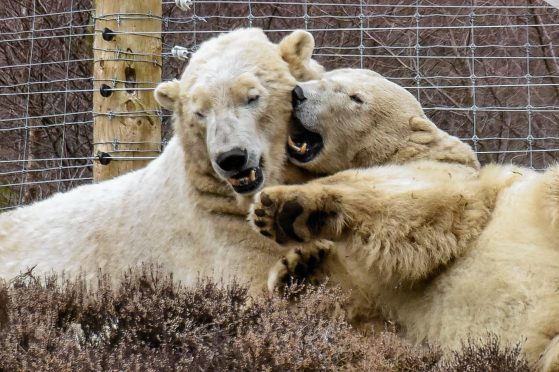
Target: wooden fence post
x=127, y=66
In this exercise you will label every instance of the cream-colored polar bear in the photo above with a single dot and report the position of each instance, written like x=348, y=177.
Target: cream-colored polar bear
x=429, y=242
x=231, y=111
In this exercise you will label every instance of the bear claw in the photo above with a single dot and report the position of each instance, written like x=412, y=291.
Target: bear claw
x=299, y=265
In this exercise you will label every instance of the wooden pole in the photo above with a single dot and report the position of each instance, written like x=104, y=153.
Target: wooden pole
x=127, y=66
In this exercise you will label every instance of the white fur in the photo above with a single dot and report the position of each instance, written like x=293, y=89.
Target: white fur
x=149, y=214
x=436, y=245
x=175, y=211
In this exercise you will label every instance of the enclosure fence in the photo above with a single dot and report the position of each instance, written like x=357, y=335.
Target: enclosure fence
x=485, y=71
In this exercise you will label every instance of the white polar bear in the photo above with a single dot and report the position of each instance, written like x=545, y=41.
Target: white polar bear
x=445, y=251
x=168, y=212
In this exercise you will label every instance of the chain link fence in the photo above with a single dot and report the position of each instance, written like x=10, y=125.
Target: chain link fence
x=485, y=71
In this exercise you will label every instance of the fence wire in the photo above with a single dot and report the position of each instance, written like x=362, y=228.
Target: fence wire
x=485, y=71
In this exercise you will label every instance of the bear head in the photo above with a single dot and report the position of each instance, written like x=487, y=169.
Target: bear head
x=353, y=118
x=232, y=105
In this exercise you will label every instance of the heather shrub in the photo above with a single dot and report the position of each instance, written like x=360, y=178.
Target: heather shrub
x=486, y=356
x=149, y=322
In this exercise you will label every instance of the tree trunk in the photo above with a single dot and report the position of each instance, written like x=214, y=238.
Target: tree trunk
x=127, y=65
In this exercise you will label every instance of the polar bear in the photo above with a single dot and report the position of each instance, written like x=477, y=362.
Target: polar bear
x=444, y=250
x=231, y=111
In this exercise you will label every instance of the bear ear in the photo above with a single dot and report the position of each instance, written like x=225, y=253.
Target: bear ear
x=166, y=94
x=424, y=131
x=296, y=49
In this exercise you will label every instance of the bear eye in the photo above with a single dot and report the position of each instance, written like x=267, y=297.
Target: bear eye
x=199, y=115
x=355, y=98
x=252, y=99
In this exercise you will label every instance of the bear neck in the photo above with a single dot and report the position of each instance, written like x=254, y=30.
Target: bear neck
x=213, y=194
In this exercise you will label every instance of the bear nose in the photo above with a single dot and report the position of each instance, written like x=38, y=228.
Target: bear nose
x=232, y=160
x=297, y=96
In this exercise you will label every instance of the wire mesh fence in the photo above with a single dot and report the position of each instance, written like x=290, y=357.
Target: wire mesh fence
x=485, y=71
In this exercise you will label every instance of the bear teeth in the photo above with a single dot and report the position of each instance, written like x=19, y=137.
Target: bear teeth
x=239, y=181
x=244, y=180
x=300, y=149
x=252, y=175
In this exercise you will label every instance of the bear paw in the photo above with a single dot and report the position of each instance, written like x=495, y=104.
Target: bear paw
x=300, y=265
x=293, y=213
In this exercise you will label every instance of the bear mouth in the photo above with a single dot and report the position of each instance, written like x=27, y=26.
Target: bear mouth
x=302, y=144
x=248, y=180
